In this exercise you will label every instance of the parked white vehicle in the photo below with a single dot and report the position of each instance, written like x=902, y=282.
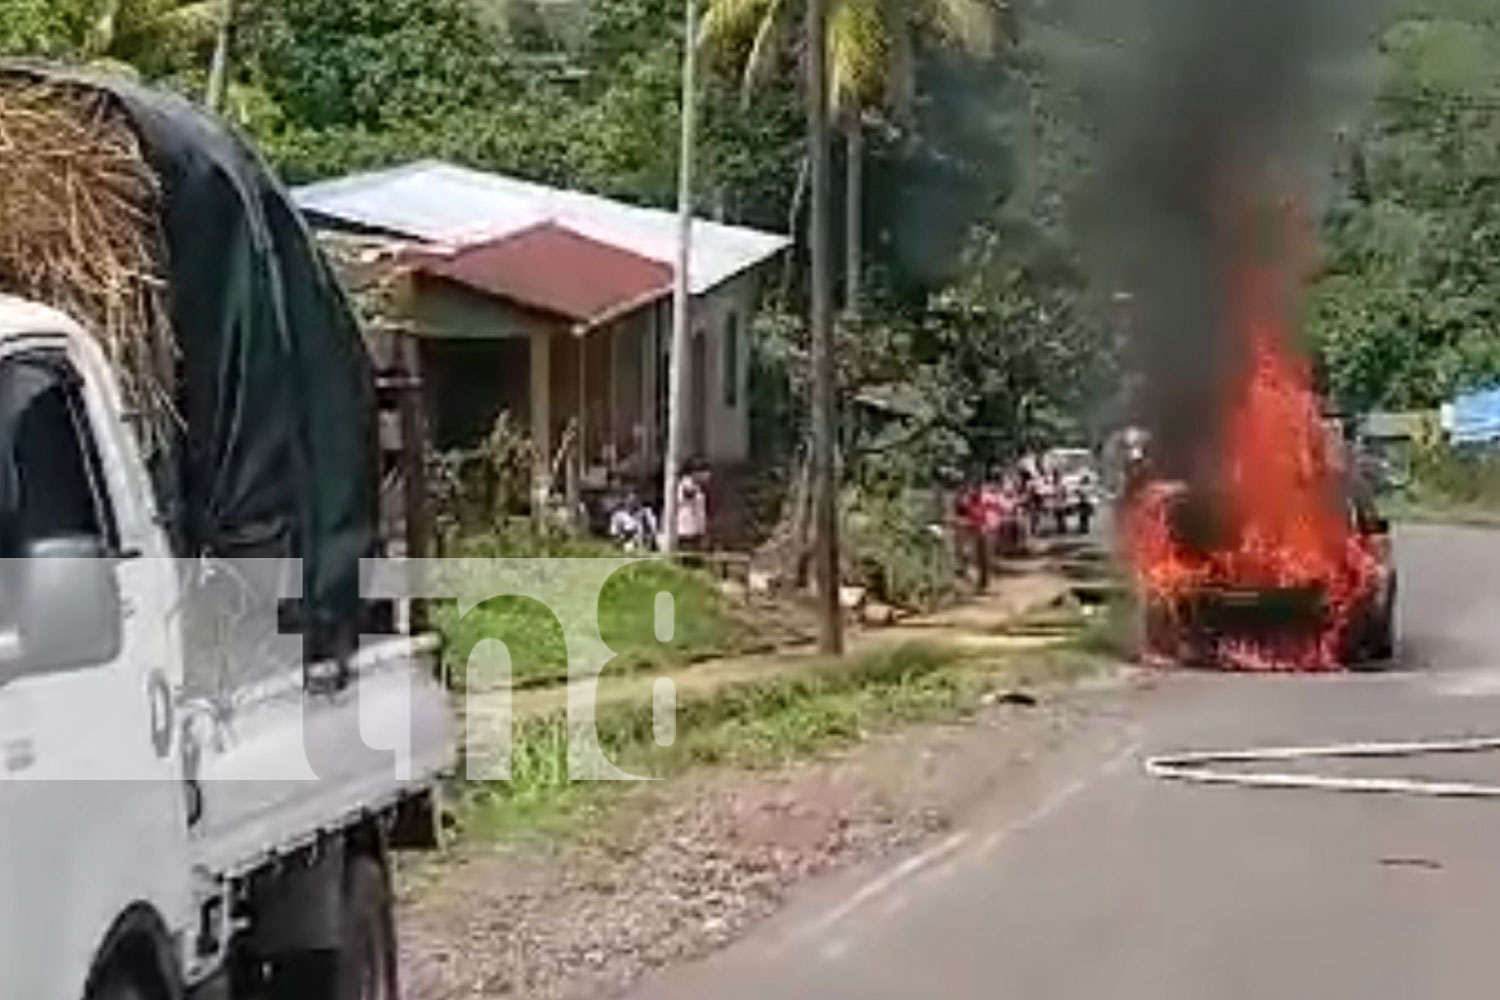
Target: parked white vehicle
x=142, y=855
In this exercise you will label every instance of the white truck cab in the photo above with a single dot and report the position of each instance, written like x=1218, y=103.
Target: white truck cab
x=153, y=846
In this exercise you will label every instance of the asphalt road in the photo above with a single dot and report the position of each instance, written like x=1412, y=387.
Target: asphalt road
x=1094, y=880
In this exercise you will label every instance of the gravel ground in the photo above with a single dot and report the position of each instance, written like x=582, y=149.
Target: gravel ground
x=686, y=867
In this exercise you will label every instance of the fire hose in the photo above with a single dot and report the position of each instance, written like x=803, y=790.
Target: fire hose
x=1200, y=767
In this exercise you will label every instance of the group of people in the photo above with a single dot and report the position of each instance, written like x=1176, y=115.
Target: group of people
x=997, y=515
x=1028, y=499
x=633, y=524
x=1048, y=493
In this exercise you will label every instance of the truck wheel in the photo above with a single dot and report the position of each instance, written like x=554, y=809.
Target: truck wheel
x=367, y=960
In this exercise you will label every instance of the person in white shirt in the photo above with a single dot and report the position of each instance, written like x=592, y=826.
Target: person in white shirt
x=633, y=524
x=692, y=508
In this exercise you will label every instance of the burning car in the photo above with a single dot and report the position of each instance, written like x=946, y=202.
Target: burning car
x=1345, y=618
x=1271, y=556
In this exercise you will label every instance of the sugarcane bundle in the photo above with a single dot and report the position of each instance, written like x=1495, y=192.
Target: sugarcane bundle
x=80, y=231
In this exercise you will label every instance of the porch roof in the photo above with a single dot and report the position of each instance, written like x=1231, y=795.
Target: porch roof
x=550, y=268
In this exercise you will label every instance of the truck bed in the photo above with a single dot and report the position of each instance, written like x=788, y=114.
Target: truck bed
x=288, y=765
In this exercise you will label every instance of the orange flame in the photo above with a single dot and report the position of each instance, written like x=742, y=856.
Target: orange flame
x=1279, y=496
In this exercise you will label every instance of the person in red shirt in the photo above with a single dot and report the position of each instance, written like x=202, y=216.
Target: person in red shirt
x=969, y=512
x=1003, y=515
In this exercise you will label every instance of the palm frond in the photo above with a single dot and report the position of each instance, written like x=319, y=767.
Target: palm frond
x=967, y=24
x=901, y=76
x=773, y=29
x=859, y=53
x=728, y=24
x=190, y=23
x=102, y=27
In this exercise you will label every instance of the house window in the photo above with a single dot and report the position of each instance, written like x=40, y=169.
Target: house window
x=732, y=360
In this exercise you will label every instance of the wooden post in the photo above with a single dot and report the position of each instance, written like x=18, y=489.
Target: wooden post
x=413, y=461
x=824, y=421
x=581, y=412
x=541, y=421
x=650, y=362
x=613, y=446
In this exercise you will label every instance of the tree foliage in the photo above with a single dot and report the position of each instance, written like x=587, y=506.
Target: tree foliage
x=872, y=44
x=1408, y=310
x=978, y=309
x=155, y=38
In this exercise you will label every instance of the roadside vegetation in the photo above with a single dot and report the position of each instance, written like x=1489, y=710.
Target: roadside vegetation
x=763, y=723
x=707, y=624
x=1449, y=485
x=1404, y=314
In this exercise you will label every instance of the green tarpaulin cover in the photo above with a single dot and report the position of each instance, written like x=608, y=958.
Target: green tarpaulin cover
x=276, y=453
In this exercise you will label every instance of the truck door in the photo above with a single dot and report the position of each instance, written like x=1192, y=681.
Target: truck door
x=91, y=809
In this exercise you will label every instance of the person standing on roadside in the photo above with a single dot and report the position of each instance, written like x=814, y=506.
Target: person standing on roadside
x=970, y=514
x=692, y=508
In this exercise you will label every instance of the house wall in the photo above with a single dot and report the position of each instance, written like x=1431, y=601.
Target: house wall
x=440, y=308
x=468, y=382
x=630, y=346
x=622, y=381
x=727, y=365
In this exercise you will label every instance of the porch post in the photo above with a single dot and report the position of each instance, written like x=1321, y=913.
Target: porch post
x=614, y=396
x=541, y=419
x=651, y=353
x=580, y=462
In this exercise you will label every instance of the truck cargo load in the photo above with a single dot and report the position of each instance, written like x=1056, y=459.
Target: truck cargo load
x=243, y=359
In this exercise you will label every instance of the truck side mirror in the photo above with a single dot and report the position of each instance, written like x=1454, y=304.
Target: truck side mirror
x=67, y=609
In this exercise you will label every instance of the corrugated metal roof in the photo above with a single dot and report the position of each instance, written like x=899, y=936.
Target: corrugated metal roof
x=441, y=203
x=555, y=270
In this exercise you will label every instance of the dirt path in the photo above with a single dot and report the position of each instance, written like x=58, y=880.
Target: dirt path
x=975, y=622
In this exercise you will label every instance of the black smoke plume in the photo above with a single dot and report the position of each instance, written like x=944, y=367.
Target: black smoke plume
x=1206, y=109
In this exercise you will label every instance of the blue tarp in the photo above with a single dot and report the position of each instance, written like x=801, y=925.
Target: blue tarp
x=1476, y=417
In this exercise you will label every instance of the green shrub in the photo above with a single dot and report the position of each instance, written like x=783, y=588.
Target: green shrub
x=1444, y=475
x=893, y=549
x=705, y=624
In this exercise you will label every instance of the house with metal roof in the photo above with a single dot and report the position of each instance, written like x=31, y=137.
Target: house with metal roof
x=554, y=306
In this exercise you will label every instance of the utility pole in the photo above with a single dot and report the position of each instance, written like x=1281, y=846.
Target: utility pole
x=218, y=70
x=682, y=293
x=824, y=426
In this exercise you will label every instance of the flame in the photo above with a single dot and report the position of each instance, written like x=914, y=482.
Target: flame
x=1278, y=495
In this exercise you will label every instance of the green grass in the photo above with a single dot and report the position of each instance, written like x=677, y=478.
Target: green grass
x=755, y=724
x=1449, y=486
x=1111, y=629
x=1437, y=510
x=706, y=625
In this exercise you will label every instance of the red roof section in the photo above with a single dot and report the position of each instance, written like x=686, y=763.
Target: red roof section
x=553, y=269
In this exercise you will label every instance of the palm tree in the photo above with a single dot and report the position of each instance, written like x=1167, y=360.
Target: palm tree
x=155, y=35
x=218, y=68
x=871, y=67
